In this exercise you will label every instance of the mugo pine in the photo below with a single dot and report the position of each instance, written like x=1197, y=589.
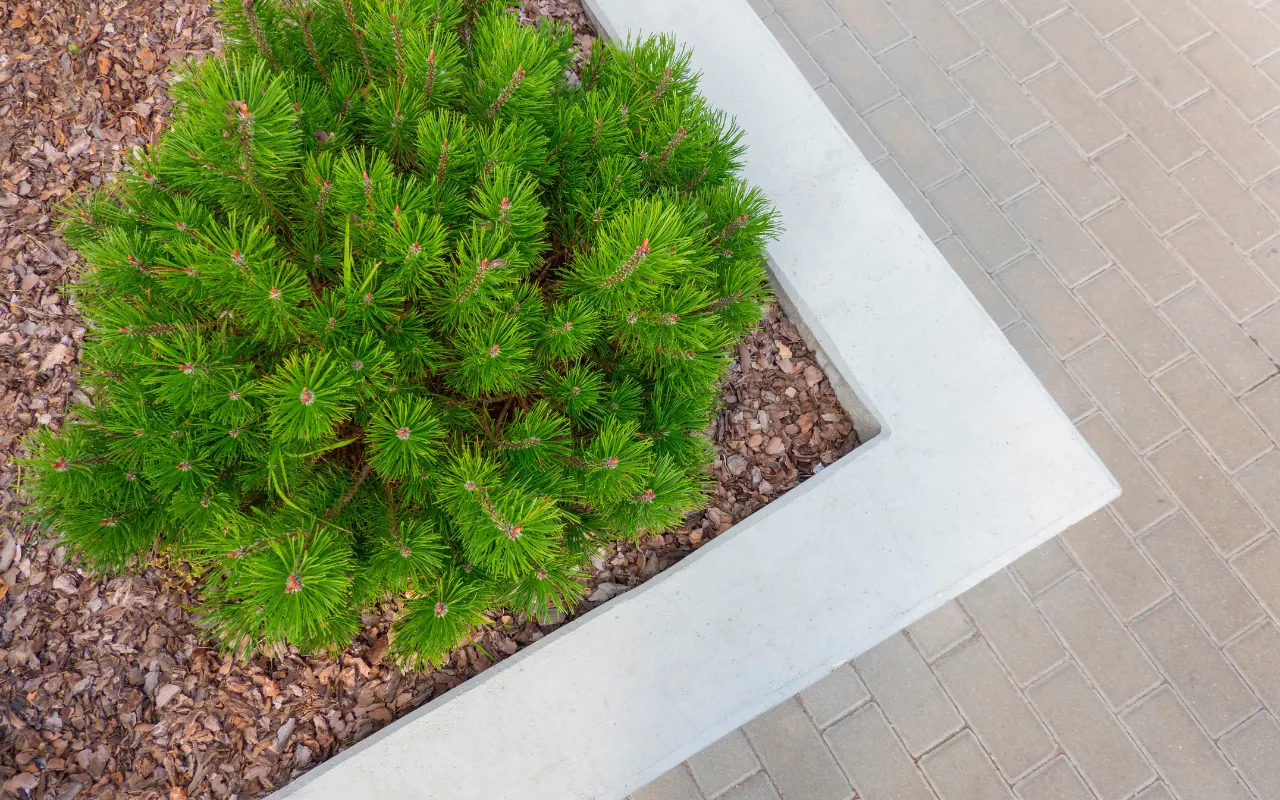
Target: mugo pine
x=401, y=309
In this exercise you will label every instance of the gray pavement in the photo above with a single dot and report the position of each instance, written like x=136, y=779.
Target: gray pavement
x=1105, y=176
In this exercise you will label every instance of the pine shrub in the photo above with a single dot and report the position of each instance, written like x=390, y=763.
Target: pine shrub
x=402, y=309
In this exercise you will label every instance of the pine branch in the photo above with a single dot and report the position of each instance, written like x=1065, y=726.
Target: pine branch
x=358, y=480
x=359, y=39
x=504, y=96
x=255, y=26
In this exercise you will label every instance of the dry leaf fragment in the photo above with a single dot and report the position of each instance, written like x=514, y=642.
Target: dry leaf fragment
x=166, y=693
x=56, y=356
x=23, y=782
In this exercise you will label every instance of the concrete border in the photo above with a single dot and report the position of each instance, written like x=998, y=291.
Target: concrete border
x=975, y=465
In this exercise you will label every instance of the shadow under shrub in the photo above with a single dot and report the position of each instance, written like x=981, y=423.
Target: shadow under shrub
x=400, y=307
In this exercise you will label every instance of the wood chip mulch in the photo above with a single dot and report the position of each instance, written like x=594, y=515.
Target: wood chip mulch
x=108, y=688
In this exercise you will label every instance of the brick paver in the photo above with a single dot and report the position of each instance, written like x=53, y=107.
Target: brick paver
x=1104, y=175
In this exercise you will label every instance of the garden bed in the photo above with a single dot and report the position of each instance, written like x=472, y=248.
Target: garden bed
x=110, y=688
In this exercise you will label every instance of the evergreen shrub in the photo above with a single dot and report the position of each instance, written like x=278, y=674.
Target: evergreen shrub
x=402, y=309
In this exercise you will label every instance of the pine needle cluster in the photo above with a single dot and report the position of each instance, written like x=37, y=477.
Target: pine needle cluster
x=400, y=309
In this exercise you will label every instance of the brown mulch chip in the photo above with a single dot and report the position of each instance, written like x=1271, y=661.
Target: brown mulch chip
x=108, y=687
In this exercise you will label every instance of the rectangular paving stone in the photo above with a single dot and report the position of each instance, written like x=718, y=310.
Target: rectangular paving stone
x=1224, y=271
x=1069, y=103
x=934, y=226
x=995, y=165
x=1153, y=124
x=1106, y=16
x=1268, y=191
x=1012, y=627
x=1143, y=500
x=763, y=8
x=871, y=147
x=1254, y=748
x=872, y=22
x=1140, y=253
x=1060, y=384
x=834, y=696
x=1145, y=185
x=1232, y=74
x=988, y=235
x=1267, y=259
x=1264, y=403
x=673, y=785
x=1048, y=305
x=1007, y=727
x=1265, y=330
x=1269, y=126
x=919, y=151
x=960, y=770
x=1226, y=202
x=1082, y=50
x=1001, y=100
x=1090, y=734
x=1206, y=493
x=1232, y=355
x=1201, y=578
x=873, y=758
x=852, y=69
x=723, y=764
x=1175, y=20
x=1044, y=566
x=1008, y=39
x=1063, y=243
x=1211, y=688
x=1121, y=572
x=1247, y=153
x=908, y=694
x=1057, y=780
x=797, y=51
x=1186, y=758
x=1110, y=377
x=1260, y=568
x=1260, y=480
x=1035, y=11
x=1131, y=321
x=1255, y=35
x=940, y=630
x=1213, y=413
x=1101, y=645
x=1257, y=656
x=938, y=30
x=1151, y=57
x=930, y=90
x=793, y=754
x=808, y=19
x=997, y=306
x=757, y=787
x=1072, y=179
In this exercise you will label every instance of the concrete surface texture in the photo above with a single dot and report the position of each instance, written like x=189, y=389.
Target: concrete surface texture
x=1105, y=176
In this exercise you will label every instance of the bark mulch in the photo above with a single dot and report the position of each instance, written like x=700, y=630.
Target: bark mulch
x=108, y=688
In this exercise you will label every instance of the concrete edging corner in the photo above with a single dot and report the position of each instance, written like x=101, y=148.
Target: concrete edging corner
x=974, y=465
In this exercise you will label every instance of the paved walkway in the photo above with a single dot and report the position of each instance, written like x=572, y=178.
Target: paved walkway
x=1105, y=175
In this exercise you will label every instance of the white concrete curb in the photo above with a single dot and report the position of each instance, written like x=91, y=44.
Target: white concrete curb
x=975, y=466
